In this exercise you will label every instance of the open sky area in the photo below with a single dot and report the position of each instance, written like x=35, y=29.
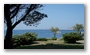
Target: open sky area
x=62, y=16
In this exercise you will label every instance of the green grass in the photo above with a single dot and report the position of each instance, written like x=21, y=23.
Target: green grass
x=53, y=44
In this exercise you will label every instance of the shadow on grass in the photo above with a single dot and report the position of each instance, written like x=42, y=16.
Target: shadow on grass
x=78, y=43
x=75, y=43
x=53, y=46
x=34, y=43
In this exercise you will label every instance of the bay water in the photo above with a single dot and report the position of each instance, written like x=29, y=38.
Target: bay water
x=42, y=33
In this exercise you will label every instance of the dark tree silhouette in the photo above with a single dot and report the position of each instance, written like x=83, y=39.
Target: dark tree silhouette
x=16, y=13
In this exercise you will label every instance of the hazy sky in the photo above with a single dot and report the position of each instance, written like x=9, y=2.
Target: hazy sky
x=59, y=15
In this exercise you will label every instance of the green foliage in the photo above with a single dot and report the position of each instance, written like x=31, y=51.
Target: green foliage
x=41, y=39
x=78, y=27
x=71, y=37
x=30, y=36
x=16, y=40
x=54, y=30
x=54, y=38
x=24, y=39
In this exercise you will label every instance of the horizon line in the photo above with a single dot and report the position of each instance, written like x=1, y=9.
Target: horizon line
x=40, y=29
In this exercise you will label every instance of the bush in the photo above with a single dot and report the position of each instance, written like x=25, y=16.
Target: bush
x=71, y=37
x=41, y=39
x=54, y=38
x=24, y=39
x=16, y=40
x=28, y=38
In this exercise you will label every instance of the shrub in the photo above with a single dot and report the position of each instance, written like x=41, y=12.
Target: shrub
x=41, y=39
x=24, y=39
x=71, y=37
x=54, y=38
x=16, y=41
x=28, y=38
x=31, y=36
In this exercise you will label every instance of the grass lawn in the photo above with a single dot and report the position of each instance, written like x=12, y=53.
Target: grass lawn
x=53, y=44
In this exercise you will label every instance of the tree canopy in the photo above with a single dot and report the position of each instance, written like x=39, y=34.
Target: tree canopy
x=54, y=30
x=28, y=13
x=15, y=14
x=78, y=27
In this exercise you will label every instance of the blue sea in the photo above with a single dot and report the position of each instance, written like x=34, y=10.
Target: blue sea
x=41, y=33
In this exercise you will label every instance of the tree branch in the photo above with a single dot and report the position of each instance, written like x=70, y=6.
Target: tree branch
x=15, y=11
x=28, y=11
x=13, y=5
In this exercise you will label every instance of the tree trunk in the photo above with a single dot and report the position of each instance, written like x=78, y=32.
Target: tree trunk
x=55, y=35
x=8, y=39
